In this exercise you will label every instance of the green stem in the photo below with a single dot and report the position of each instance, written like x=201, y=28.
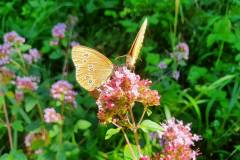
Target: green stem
x=8, y=125
x=135, y=133
x=129, y=145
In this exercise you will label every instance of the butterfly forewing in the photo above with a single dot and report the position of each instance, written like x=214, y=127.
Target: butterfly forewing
x=92, y=68
x=136, y=46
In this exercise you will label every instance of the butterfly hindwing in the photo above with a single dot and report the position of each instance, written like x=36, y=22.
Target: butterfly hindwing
x=136, y=46
x=92, y=68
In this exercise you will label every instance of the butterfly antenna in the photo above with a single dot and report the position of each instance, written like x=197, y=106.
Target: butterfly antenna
x=118, y=57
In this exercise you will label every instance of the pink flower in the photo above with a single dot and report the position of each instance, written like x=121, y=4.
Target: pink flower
x=51, y=116
x=184, y=49
x=28, y=139
x=63, y=91
x=177, y=141
x=162, y=65
x=4, y=54
x=120, y=93
x=13, y=37
x=28, y=58
x=26, y=83
x=35, y=54
x=32, y=56
x=19, y=95
x=59, y=30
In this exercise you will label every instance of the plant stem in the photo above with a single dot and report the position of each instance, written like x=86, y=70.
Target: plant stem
x=8, y=125
x=142, y=116
x=129, y=145
x=135, y=128
x=61, y=125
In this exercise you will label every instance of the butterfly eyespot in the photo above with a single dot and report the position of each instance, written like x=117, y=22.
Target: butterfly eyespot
x=85, y=55
x=90, y=66
x=84, y=61
x=87, y=77
x=90, y=82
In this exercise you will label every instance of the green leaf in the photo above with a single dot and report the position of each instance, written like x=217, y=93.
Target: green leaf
x=111, y=132
x=196, y=73
x=150, y=126
x=14, y=155
x=127, y=152
x=17, y=125
x=82, y=125
x=30, y=102
x=153, y=58
x=56, y=55
x=25, y=47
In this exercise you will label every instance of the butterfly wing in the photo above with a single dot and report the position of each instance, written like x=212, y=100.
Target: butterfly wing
x=136, y=46
x=92, y=67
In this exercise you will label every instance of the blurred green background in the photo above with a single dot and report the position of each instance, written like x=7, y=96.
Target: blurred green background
x=206, y=93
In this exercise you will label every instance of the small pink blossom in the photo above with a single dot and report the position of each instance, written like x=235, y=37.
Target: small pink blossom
x=51, y=116
x=162, y=65
x=26, y=83
x=184, y=49
x=59, y=30
x=28, y=58
x=35, y=54
x=13, y=37
x=28, y=139
x=6, y=75
x=63, y=91
x=19, y=95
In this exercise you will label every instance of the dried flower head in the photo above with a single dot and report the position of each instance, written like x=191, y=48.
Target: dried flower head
x=51, y=116
x=35, y=141
x=120, y=93
x=6, y=75
x=59, y=30
x=177, y=141
x=63, y=91
x=26, y=83
x=13, y=38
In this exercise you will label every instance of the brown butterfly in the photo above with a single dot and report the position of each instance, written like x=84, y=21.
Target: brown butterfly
x=93, y=68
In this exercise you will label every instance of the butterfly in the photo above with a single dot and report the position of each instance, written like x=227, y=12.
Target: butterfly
x=93, y=68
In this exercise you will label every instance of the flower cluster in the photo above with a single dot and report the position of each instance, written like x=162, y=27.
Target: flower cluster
x=26, y=83
x=51, y=116
x=177, y=141
x=63, y=91
x=13, y=38
x=58, y=31
x=32, y=56
x=120, y=93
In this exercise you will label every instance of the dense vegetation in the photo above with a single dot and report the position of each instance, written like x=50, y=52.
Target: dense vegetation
x=202, y=88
